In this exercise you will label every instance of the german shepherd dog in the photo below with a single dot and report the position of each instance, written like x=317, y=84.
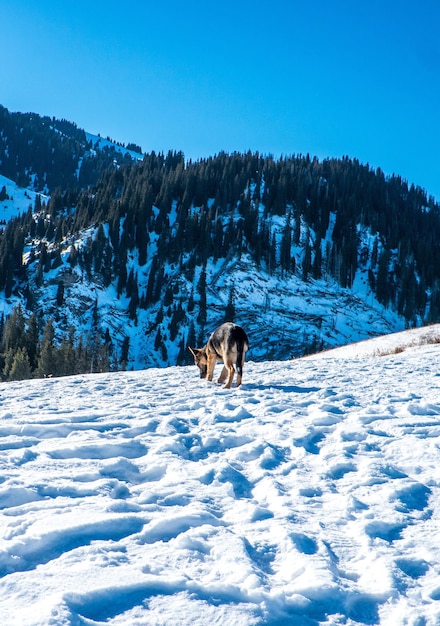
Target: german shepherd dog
x=229, y=344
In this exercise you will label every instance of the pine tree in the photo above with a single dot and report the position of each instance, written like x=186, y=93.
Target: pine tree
x=69, y=363
x=158, y=339
x=307, y=261
x=32, y=341
x=8, y=359
x=124, y=352
x=47, y=362
x=230, y=307
x=14, y=330
x=201, y=288
x=191, y=339
x=382, y=280
x=21, y=368
x=286, y=244
x=60, y=293
x=133, y=294
x=317, y=261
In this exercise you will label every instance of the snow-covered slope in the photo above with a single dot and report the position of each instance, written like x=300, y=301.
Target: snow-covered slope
x=308, y=496
x=282, y=314
x=99, y=143
x=18, y=200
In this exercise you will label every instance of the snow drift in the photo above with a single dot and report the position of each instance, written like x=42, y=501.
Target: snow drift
x=308, y=496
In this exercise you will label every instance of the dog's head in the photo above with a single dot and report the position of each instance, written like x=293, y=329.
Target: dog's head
x=201, y=360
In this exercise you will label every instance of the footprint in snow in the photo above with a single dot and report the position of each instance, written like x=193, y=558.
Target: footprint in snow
x=415, y=497
x=242, y=488
x=310, y=441
x=387, y=531
x=414, y=568
x=273, y=457
x=339, y=470
x=262, y=555
x=237, y=414
x=304, y=544
x=310, y=492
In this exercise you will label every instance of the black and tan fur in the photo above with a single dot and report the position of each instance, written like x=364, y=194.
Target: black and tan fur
x=228, y=344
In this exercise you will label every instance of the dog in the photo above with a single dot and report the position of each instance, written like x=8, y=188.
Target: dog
x=228, y=343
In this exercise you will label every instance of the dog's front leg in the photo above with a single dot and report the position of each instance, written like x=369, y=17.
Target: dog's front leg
x=211, y=366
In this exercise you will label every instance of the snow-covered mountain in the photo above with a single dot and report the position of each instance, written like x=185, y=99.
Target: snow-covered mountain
x=283, y=314
x=308, y=496
x=150, y=255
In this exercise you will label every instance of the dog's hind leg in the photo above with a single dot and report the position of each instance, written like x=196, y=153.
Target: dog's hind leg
x=240, y=363
x=231, y=372
x=223, y=375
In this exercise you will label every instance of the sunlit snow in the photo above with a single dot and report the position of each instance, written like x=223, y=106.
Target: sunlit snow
x=308, y=496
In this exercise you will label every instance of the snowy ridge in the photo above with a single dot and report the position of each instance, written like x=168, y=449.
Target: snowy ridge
x=308, y=496
x=99, y=143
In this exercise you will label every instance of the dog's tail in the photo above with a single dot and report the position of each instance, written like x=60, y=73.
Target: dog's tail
x=242, y=346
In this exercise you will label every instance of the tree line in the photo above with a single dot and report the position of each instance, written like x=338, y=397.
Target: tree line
x=31, y=350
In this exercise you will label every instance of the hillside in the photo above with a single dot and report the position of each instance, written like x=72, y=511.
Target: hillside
x=308, y=496
x=150, y=257
x=44, y=154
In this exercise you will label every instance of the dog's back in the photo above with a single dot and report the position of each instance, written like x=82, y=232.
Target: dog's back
x=227, y=336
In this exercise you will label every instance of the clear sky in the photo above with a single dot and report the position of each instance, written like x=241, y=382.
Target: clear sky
x=325, y=77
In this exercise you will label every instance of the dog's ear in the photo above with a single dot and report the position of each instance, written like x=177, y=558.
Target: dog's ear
x=193, y=352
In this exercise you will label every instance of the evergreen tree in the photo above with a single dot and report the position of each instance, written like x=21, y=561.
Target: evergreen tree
x=286, y=243
x=20, y=368
x=230, y=307
x=8, y=359
x=317, y=260
x=191, y=338
x=47, y=361
x=201, y=288
x=32, y=341
x=14, y=330
x=382, y=280
x=69, y=363
x=125, y=352
x=60, y=293
x=307, y=261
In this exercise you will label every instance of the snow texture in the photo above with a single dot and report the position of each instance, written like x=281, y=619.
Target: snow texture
x=308, y=496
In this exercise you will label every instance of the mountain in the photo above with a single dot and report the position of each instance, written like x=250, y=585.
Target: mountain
x=307, y=497
x=137, y=257
x=44, y=154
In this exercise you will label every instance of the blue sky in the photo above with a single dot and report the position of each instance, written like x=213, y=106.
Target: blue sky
x=329, y=78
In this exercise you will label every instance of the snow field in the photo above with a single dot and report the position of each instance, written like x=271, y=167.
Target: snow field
x=307, y=496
